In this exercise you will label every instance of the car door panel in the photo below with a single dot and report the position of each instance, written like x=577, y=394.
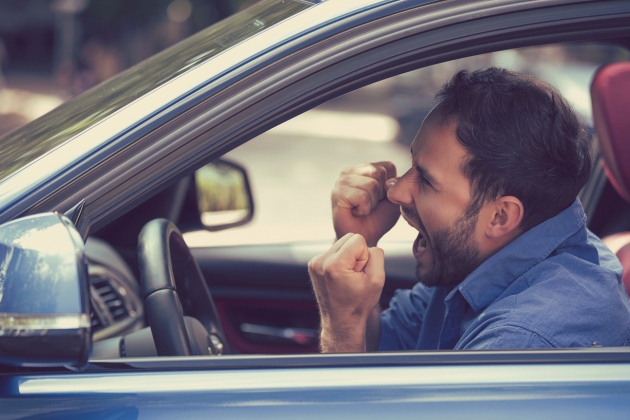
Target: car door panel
x=268, y=286
x=339, y=386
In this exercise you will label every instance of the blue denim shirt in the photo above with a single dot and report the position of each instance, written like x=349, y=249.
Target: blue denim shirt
x=557, y=285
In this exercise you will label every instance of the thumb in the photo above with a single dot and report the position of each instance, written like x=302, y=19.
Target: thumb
x=354, y=252
x=390, y=183
x=361, y=253
x=375, y=265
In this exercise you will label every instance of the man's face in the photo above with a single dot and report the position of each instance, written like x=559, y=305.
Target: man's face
x=434, y=197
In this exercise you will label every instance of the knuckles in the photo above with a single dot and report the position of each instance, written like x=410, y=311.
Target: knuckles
x=371, y=180
x=349, y=170
x=324, y=266
x=329, y=270
x=363, y=198
x=377, y=251
x=315, y=265
x=332, y=267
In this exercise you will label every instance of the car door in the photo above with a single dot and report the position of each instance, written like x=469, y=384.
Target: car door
x=367, y=46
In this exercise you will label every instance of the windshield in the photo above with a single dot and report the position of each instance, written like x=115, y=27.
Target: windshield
x=32, y=141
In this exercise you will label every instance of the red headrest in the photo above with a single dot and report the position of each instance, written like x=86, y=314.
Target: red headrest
x=624, y=257
x=610, y=93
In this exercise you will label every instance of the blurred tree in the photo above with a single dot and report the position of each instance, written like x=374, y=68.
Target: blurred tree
x=112, y=20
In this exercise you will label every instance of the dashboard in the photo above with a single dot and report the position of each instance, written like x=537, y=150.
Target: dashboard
x=116, y=306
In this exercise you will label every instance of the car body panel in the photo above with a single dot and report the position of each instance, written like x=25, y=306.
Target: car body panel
x=481, y=391
x=267, y=286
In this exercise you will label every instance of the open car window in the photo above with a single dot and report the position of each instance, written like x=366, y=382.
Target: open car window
x=295, y=165
x=257, y=271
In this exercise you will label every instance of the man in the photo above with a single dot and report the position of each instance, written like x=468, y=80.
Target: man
x=504, y=259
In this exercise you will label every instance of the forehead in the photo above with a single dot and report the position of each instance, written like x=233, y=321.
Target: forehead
x=437, y=150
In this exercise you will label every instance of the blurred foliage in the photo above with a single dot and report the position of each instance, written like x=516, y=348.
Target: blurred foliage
x=30, y=142
x=221, y=187
x=114, y=20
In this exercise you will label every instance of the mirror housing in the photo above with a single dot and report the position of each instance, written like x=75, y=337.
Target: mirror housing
x=44, y=306
x=224, y=197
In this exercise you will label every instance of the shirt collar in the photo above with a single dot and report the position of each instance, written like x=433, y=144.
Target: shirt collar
x=484, y=285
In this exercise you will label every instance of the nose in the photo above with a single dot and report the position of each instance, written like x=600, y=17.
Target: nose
x=400, y=192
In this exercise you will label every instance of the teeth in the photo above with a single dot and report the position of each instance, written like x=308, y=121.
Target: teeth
x=422, y=244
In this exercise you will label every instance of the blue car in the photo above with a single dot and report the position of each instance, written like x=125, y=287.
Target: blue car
x=109, y=306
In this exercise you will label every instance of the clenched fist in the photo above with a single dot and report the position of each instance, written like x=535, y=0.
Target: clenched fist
x=360, y=204
x=347, y=280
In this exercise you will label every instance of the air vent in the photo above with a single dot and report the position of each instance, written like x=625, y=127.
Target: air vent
x=113, y=305
x=115, y=302
x=110, y=297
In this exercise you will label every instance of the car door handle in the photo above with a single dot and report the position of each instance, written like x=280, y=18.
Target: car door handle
x=302, y=336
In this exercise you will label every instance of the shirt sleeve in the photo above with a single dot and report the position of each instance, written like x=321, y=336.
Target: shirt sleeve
x=508, y=337
x=401, y=322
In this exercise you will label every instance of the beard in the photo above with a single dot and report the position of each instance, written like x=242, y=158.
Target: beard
x=454, y=252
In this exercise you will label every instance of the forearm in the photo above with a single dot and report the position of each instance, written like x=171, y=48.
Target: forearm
x=345, y=342
x=347, y=280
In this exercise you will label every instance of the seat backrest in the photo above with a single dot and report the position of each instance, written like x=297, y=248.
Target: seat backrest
x=624, y=256
x=610, y=93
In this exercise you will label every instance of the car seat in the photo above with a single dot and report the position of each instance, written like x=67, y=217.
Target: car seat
x=610, y=94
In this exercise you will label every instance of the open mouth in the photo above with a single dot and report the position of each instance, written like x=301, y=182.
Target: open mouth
x=419, y=245
x=422, y=243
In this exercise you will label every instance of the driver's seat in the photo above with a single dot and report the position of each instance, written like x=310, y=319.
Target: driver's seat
x=610, y=93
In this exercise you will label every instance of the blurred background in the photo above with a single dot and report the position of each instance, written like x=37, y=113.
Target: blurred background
x=53, y=50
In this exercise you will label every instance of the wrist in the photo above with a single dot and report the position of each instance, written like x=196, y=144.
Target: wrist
x=343, y=340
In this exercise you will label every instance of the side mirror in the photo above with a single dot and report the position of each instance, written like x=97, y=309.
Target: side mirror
x=224, y=197
x=44, y=307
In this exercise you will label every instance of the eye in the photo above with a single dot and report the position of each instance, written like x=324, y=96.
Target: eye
x=423, y=180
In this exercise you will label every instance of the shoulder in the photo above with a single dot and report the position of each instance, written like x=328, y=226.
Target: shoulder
x=572, y=298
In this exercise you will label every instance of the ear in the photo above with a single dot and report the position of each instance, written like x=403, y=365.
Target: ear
x=506, y=216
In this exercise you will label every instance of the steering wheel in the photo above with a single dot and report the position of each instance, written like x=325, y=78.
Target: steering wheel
x=173, y=285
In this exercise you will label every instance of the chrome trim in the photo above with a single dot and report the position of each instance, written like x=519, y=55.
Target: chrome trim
x=23, y=325
x=103, y=133
x=253, y=380
x=4, y=268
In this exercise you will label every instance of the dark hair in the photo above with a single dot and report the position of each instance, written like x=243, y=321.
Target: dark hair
x=523, y=139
